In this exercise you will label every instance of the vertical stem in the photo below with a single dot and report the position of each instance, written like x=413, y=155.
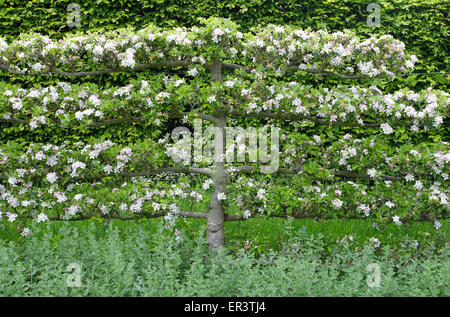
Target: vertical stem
x=215, y=220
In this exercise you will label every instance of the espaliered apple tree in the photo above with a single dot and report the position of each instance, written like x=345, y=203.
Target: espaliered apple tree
x=232, y=79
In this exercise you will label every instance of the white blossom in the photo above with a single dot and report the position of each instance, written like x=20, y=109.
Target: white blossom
x=221, y=196
x=42, y=217
x=337, y=203
x=207, y=184
x=12, y=217
x=51, y=177
x=387, y=129
x=437, y=225
x=375, y=242
x=372, y=172
x=396, y=220
x=193, y=71
x=25, y=232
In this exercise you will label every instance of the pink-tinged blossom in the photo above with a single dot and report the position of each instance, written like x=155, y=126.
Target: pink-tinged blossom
x=60, y=197
x=137, y=206
x=72, y=210
x=337, y=203
x=169, y=217
x=418, y=185
x=365, y=209
x=39, y=156
x=128, y=58
x=25, y=232
x=41, y=217
x=390, y=204
x=123, y=207
x=221, y=196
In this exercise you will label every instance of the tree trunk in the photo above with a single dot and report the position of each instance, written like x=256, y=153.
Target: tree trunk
x=215, y=220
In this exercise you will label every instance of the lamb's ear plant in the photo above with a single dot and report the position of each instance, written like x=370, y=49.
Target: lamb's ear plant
x=131, y=265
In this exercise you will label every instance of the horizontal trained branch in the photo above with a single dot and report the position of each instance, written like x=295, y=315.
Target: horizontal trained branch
x=52, y=70
x=156, y=171
x=92, y=107
x=232, y=218
x=322, y=72
x=125, y=218
x=271, y=49
x=294, y=117
x=301, y=170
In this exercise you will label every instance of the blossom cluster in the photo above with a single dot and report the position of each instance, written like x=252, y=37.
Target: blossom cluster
x=284, y=47
x=138, y=198
x=72, y=105
x=271, y=47
x=340, y=105
x=47, y=178
x=156, y=99
x=122, y=48
x=298, y=196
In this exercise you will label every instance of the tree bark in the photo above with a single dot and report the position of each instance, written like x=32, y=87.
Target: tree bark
x=216, y=215
x=215, y=220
